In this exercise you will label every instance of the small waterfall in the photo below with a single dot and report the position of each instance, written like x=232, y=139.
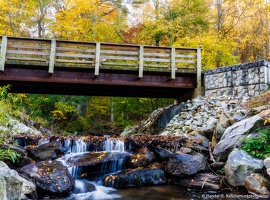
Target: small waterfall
x=101, y=192
x=43, y=141
x=75, y=146
x=114, y=145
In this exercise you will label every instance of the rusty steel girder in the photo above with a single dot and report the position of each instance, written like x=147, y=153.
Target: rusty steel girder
x=82, y=81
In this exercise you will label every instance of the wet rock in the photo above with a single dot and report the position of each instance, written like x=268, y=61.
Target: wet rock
x=21, y=161
x=233, y=134
x=185, y=150
x=51, y=178
x=143, y=157
x=202, y=181
x=48, y=151
x=83, y=186
x=93, y=164
x=266, y=163
x=162, y=154
x=182, y=165
x=12, y=186
x=240, y=165
x=136, y=177
x=257, y=183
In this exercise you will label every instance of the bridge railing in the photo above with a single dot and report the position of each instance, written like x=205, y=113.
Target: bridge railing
x=56, y=53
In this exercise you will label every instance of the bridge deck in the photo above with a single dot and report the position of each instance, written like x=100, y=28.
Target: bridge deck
x=53, y=66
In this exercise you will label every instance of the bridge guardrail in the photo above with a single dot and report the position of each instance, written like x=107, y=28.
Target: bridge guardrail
x=56, y=53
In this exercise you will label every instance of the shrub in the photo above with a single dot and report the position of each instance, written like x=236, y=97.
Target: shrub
x=258, y=146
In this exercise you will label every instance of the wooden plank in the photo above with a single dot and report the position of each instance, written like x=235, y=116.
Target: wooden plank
x=97, y=63
x=120, y=64
x=119, y=52
x=119, y=47
x=67, y=55
x=75, y=50
x=73, y=61
x=26, y=59
x=119, y=58
x=3, y=53
x=157, y=66
x=156, y=60
x=185, y=56
x=28, y=41
x=28, y=46
x=52, y=56
x=157, y=54
x=186, y=61
x=186, y=67
x=141, y=55
x=32, y=53
x=185, y=50
x=173, y=63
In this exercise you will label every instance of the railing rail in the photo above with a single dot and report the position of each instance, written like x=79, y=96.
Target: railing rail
x=56, y=53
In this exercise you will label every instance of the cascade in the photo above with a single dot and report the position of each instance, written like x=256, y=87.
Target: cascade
x=80, y=192
x=43, y=141
x=113, y=145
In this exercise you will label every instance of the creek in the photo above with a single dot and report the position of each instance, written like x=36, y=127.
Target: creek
x=92, y=189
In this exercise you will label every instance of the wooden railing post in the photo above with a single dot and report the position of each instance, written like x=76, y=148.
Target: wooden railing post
x=97, y=62
x=199, y=72
x=52, y=56
x=3, y=53
x=173, y=63
x=141, y=61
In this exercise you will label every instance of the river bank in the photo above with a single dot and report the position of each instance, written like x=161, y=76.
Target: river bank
x=195, y=145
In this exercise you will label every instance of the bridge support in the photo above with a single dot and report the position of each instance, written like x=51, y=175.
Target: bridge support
x=198, y=90
x=3, y=53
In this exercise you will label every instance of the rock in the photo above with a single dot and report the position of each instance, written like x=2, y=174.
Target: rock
x=94, y=163
x=257, y=110
x=18, y=128
x=83, y=186
x=47, y=151
x=185, y=150
x=205, y=181
x=266, y=163
x=143, y=157
x=257, y=183
x=51, y=178
x=162, y=154
x=217, y=165
x=233, y=134
x=136, y=177
x=182, y=165
x=12, y=186
x=21, y=161
x=240, y=165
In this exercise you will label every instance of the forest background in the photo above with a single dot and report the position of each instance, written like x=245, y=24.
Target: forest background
x=230, y=32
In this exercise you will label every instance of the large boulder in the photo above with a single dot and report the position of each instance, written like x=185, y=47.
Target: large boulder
x=136, y=177
x=266, y=163
x=12, y=186
x=182, y=165
x=47, y=151
x=143, y=157
x=20, y=161
x=233, y=135
x=257, y=183
x=201, y=181
x=51, y=178
x=239, y=166
x=94, y=164
x=222, y=124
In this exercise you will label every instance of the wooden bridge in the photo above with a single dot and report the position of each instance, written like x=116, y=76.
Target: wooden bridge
x=98, y=69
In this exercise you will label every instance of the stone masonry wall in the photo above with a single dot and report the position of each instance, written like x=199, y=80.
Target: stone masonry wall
x=249, y=79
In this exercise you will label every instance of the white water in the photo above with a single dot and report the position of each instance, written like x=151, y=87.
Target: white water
x=101, y=192
x=114, y=145
x=43, y=141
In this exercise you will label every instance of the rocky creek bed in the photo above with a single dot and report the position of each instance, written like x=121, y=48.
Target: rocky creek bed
x=195, y=145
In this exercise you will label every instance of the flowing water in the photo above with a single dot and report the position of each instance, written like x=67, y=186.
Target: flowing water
x=93, y=190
